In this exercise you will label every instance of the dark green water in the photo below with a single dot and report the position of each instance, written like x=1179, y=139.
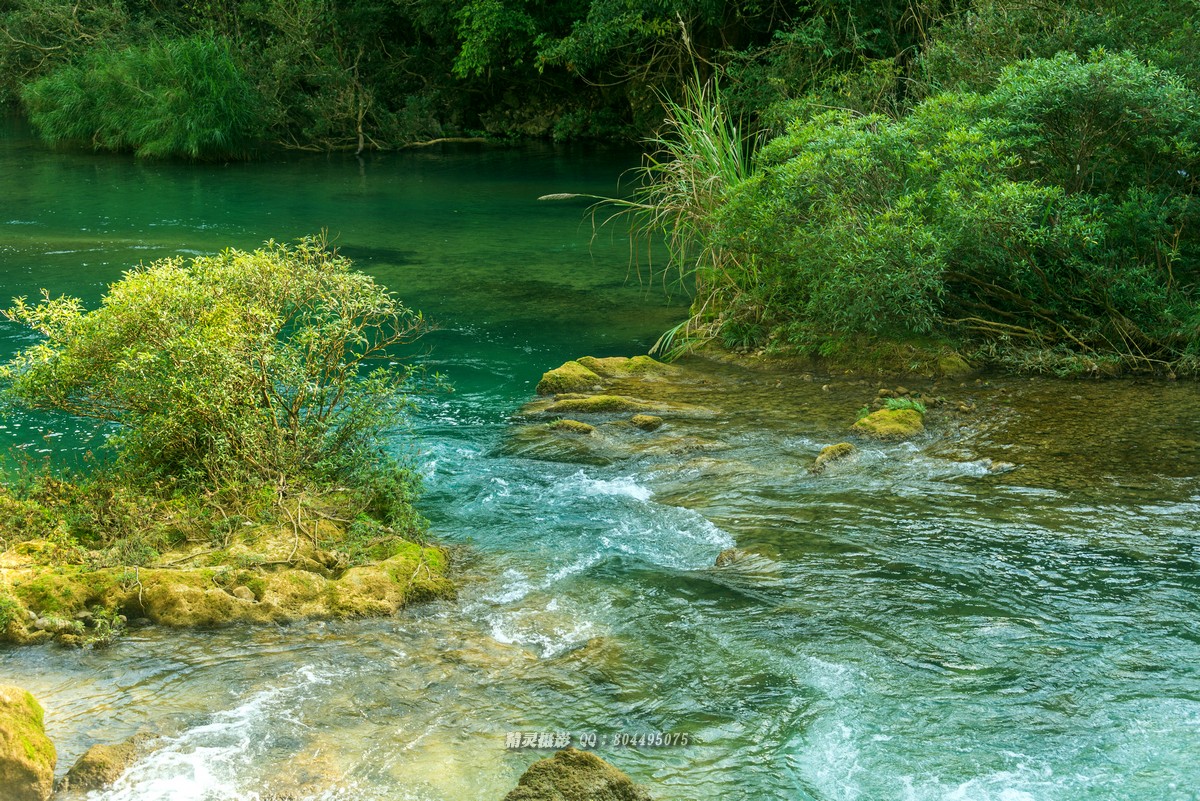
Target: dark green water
x=907, y=627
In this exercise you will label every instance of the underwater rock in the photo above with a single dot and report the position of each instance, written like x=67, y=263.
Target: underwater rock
x=573, y=775
x=27, y=756
x=570, y=377
x=830, y=454
x=101, y=765
x=891, y=424
x=729, y=556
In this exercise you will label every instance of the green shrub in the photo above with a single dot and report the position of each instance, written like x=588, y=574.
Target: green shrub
x=174, y=97
x=240, y=367
x=1057, y=211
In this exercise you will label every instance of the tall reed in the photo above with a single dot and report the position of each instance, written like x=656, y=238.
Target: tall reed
x=695, y=158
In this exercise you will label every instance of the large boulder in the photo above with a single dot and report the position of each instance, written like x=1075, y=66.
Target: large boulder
x=573, y=775
x=27, y=756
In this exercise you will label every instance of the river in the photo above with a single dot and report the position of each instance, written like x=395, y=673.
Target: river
x=905, y=626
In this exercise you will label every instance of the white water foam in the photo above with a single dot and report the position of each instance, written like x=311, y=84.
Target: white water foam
x=624, y=486
x=211, y=762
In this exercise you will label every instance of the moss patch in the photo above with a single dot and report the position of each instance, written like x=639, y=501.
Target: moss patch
x=889, y=424
x=599, y=404
x=571, y=377
x=571, y=427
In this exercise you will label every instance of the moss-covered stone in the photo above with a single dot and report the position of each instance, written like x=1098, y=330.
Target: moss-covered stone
x=570, y=377
x=623, y=367
x=572, y=775
x=598, y=404
x=79, y=607
x=101, y=765
x=889, y=424
x=568, y=426
x=647, y=422
x=27, y=756
x=830, y=454
x=951, y=365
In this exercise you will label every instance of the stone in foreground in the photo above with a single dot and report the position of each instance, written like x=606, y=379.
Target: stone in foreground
x=27, y=756
x=573, y=775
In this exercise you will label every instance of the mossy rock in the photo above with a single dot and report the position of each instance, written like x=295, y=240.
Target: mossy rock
x=570, y=377
x=951, y=365
x=101, y=765
x=573, y=775
x=889, y=424
x=597, y=404
x=568, y=426
x=218, y=595
x=623, y=367
x=830, y=454
x=647, y=422
x=27, y=756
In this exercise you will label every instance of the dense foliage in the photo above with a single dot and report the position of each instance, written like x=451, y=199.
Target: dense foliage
x=1012, y=177
x=181, y=97
x=1057, y=211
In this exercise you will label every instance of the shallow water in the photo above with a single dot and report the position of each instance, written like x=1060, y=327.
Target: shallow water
x=905, y=626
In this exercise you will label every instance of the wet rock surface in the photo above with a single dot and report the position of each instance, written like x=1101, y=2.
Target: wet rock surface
x=573, y=775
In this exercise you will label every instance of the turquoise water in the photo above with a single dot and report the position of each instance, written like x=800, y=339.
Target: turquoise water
x=905, y=626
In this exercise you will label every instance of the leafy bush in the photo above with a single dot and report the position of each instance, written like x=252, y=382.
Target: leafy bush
x=235, y=367
x=1058, y=210
x=174, y=97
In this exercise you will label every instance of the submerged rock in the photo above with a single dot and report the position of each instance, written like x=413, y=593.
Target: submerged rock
x=891, y=424
x=571, y=377
x=573, y=775
x=830, y=454
x=729, y=556
x=27, y=756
